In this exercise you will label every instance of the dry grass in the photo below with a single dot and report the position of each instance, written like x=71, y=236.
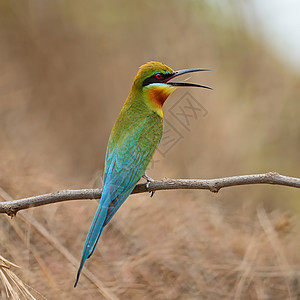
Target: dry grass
x=66, y=69
x=13, y=285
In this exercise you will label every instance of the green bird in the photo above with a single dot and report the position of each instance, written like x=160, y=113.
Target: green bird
x=132, y=143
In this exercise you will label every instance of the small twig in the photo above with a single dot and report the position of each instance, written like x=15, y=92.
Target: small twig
x=213, y=185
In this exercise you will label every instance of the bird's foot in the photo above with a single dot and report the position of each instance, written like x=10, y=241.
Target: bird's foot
x=149, y=179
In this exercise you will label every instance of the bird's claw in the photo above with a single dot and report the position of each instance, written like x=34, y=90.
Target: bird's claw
x=149, y=179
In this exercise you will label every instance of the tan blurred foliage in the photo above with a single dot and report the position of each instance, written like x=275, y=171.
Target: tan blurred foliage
x=66, y=69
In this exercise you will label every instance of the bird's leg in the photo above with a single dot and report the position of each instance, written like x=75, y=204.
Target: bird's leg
x=149, y=179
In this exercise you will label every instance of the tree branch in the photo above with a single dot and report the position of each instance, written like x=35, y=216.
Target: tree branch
x=213, y=185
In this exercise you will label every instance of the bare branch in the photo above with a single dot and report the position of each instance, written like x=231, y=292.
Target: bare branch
x=213, y=185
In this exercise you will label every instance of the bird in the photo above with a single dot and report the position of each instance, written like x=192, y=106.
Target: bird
x=133, y=140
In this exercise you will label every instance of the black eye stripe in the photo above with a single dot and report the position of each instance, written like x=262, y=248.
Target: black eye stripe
x=154, y=79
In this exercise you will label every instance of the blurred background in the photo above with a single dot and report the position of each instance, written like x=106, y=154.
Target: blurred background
x=66, y=69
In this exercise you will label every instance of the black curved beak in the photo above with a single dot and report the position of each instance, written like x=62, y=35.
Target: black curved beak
x=185, y=71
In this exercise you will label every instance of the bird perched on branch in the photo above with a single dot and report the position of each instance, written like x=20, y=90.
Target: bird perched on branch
x=132, y=143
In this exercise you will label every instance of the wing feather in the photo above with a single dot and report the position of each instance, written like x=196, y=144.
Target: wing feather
x=127, y=162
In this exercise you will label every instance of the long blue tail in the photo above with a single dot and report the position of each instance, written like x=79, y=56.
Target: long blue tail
x=92, y=237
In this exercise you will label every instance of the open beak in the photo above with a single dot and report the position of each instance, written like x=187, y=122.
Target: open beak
x=185, y=71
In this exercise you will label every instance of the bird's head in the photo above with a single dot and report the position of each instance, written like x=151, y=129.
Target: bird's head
x=153, y=80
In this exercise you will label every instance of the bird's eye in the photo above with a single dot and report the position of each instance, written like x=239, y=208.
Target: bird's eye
x=158, y=76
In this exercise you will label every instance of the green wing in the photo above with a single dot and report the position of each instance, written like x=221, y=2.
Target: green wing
x=127, y=160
